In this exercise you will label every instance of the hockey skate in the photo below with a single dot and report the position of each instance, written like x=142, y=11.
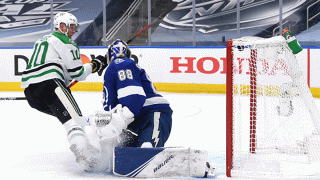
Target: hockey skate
x=210, y=170
x=86, y=155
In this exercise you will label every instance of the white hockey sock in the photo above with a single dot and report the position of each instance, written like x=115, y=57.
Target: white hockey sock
x=87, y=155
x=73, y=130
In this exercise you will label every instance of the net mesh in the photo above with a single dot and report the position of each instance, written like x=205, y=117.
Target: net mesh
x=274, y=116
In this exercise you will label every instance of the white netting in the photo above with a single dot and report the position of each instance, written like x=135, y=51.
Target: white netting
x=274, y=114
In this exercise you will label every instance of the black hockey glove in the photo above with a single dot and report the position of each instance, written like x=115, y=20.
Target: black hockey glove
x=97, y=64
x=103, y=59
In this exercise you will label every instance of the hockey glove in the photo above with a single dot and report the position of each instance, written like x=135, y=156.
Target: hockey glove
x=121, y=117
x=103, y=60
x=96, y=65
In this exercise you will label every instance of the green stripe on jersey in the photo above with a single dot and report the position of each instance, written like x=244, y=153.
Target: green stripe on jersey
x=80, y=73
x=65, y=39
x=42, y=74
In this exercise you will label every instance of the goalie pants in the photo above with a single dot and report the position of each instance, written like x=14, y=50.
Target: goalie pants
x=42, y=96
x=156, y=130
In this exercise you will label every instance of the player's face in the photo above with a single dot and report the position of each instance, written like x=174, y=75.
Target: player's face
x=72, y=30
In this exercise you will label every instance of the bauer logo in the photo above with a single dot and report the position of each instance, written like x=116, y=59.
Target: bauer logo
x=16, y=14
x=219, y=15
x=163, y=163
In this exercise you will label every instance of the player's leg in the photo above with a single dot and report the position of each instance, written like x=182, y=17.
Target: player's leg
x=52, y=97
x=64, y=106
x=36, y=94
x=157, y=130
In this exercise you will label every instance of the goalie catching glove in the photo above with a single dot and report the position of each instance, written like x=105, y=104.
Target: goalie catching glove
x=112, y=123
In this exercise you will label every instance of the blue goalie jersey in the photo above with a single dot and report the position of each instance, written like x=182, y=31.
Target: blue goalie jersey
x=128, y=84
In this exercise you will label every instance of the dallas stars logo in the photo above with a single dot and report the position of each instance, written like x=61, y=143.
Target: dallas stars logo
x=18, y=14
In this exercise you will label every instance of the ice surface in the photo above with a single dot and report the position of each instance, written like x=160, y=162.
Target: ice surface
x=34, y=145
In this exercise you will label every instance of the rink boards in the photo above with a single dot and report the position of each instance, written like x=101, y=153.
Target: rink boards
x=172, y=69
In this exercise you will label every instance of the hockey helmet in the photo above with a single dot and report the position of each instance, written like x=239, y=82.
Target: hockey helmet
x=67, y=19
x=118, y=49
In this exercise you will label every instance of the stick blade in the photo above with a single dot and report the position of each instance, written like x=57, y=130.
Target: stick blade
x=162, y=8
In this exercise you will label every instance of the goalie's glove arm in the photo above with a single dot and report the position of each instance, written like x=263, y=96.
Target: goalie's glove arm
x=121, y=117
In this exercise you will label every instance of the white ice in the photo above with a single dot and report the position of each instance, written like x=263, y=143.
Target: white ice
x=34, y=145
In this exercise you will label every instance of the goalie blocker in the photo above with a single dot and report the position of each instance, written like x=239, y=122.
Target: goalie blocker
x=161, y=162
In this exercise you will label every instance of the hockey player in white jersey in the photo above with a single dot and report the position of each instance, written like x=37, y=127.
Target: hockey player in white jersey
x=54, y=64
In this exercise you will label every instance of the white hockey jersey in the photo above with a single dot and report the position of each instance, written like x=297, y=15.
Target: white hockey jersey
x=55, y=56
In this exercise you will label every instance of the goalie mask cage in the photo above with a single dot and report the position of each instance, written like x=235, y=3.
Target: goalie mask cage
x=271, y=114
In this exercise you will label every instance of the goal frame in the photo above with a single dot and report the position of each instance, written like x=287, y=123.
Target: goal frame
x=252, y=95
x=229, y=109
x=253, y=104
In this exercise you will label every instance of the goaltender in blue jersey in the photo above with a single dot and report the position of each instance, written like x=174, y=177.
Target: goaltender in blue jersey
x=137, y=116
x=128, y=85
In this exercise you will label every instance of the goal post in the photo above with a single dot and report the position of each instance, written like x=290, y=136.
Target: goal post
x=272, y=122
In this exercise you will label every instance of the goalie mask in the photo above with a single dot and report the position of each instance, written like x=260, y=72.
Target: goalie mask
x=67, y=19
x=118, y=49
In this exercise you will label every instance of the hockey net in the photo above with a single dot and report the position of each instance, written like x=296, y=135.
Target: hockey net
x=272, y=119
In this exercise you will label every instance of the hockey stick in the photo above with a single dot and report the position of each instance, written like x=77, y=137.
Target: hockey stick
x=12, y=98
x=73, y=83
x=159, y=18
x=170, y=6
x=129, y=41
x=152, y=23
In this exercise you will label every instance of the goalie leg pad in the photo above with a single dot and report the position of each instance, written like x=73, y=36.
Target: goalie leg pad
x=159, y=162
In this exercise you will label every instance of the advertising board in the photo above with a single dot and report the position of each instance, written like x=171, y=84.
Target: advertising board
x=172, y=69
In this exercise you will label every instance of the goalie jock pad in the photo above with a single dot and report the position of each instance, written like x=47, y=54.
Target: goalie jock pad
x=159, y=162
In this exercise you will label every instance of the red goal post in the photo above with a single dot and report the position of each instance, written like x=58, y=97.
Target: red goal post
x=271, y=115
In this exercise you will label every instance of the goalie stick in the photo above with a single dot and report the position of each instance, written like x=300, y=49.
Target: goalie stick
x=166, y=10
x=147, y=27
x=169, y=8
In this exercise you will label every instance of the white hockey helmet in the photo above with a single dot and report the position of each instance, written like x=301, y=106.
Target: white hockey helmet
x=118, y=49
x=67, y=19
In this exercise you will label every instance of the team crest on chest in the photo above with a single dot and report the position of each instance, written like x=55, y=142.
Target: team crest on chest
x=118, y=61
